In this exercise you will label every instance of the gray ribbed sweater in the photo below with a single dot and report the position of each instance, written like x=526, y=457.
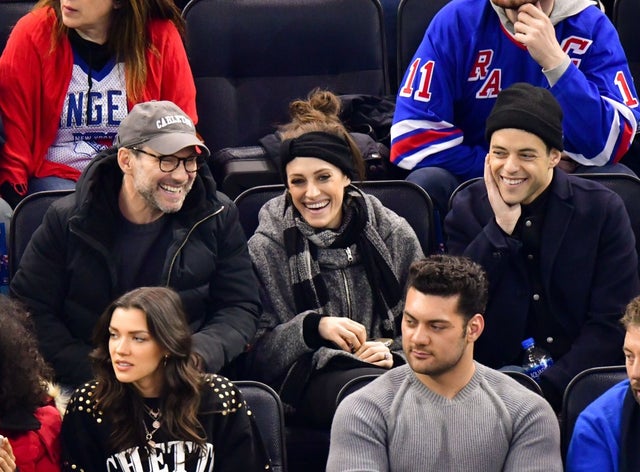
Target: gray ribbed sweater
x=397, y=424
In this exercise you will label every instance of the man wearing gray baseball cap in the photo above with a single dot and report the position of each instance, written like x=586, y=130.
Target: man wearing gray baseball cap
x=144, y=213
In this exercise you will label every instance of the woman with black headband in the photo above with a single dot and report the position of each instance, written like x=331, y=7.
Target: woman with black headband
x=332, y=263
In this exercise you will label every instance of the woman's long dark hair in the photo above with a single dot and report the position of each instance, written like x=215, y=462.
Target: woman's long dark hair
x=128, y=36
x=180, y=395
x=23, y=371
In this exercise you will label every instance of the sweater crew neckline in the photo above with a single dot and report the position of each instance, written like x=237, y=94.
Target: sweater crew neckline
x=462, y=396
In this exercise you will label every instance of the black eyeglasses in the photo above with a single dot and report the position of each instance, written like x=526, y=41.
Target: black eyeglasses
x=169, y=163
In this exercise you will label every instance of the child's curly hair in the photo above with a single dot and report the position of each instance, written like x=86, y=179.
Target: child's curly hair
x=23, y=372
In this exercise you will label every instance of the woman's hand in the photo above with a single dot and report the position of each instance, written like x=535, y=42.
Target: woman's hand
x=376, y=353
x=7, y=459
x=347, y=334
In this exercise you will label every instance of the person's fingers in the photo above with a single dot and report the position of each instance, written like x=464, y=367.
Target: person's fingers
x=343, y=344
x=373, y=356
x=375, y=353
x=7, y=446
x=352, y=339
x=361, y=335
x=384, y=359
x=347, y=334
x=7, y=461
x=339, y=338
x=331, y=329
x=357, y=334
x=365, y=351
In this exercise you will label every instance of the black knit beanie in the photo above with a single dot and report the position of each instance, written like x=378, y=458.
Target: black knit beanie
x=533, y=109
x=326, y=146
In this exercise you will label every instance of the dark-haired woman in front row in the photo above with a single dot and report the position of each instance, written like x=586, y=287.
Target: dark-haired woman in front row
x=149, y=408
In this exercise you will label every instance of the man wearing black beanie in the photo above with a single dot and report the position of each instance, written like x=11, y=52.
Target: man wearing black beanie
x=473, y=49
x=558, y=249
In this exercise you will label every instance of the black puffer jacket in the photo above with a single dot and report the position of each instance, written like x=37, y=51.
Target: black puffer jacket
x=67, y=276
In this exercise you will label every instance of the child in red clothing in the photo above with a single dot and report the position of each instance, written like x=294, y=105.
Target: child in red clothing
x=28, y=416
x=7, y=459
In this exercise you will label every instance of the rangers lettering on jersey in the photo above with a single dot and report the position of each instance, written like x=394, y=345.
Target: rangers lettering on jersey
x=468, y=55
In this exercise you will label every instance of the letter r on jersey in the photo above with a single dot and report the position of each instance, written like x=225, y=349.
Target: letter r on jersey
x=480, y=68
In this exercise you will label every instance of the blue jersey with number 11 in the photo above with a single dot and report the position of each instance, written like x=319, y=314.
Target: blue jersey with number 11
x=467, y=56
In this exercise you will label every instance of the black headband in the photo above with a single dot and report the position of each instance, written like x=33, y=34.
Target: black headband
x=326, y=146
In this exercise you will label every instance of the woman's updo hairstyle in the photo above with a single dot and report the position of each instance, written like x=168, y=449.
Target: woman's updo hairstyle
x=320, y=112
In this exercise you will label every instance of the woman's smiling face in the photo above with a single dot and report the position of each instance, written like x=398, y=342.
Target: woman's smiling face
x=317, y=191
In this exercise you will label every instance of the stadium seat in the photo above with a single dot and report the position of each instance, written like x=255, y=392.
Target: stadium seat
x=628, y=187
x=524, y=380
x=27, y=216
x=354, y=385
x=405, y=198
x=583, y=389
x=10, y=12
x=390, y=16
x=266, y=407
x=626, y=17
x=250, y=58
x=413, y=18
x=607, y=7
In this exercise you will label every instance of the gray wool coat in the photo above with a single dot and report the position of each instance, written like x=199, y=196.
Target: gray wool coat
x=279, y=341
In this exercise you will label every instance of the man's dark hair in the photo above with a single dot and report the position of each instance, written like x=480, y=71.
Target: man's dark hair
x=447, y=276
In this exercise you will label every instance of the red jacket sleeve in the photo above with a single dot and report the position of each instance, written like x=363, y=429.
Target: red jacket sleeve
x=33, y=81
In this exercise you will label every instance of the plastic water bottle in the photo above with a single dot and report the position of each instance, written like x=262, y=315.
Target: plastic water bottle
x=536, y=359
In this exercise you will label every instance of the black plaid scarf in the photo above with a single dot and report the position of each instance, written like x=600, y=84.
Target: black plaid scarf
x=301, y=243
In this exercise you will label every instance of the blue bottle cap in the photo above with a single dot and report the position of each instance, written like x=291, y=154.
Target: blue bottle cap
x=527, y=343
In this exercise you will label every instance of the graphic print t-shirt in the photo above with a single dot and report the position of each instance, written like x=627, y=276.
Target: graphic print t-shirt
x=93, y=108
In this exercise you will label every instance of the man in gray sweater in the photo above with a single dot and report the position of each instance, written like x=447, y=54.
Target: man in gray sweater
x=443, y=411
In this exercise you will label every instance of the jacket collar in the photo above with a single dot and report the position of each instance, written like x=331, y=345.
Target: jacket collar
x=559, y=212
x=99, y=185
x=19, y=420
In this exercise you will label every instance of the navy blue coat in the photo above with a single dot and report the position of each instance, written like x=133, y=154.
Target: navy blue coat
x=589, y=272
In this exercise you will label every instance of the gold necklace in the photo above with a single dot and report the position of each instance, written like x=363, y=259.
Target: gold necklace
x=155, y=415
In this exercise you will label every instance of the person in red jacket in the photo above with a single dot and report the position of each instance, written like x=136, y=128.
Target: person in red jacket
x=69, y=74
x=28, y=417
